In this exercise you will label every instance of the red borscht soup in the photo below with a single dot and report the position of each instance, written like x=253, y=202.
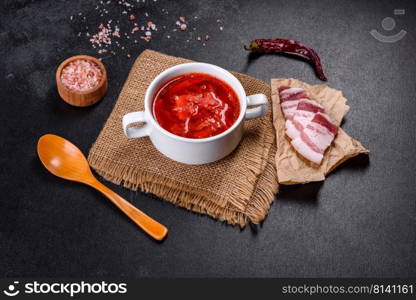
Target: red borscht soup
x=196, y=105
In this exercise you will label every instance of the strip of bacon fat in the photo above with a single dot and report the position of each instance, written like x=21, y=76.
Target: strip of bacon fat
x=289, y=99
x=300, y=117
x=310, y=129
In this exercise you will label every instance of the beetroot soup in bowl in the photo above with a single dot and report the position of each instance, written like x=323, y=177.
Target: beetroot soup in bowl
x=194, y=113
x=196, y=105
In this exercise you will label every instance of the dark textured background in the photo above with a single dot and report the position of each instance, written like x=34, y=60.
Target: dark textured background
x=360, y=222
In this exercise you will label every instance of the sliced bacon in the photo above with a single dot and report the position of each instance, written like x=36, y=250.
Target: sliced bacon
x=321, y=137
x=306, y=151
x=313, y=141
x=299, y=117
x=323, y=119
x=309, y=140
x=310, y=129
x=292, y=94
x=294, y=127
x=291, y=90
x=310, y=105
x=289, y=107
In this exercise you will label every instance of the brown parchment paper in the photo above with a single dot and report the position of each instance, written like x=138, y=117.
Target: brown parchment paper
x=291, y=167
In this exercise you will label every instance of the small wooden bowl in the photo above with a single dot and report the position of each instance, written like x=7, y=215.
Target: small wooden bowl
x=84, y=98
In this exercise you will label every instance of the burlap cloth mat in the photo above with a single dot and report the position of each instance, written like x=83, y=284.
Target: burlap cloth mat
x=237, y=189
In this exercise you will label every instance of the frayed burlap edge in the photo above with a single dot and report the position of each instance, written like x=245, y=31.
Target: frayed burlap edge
x=179, y=194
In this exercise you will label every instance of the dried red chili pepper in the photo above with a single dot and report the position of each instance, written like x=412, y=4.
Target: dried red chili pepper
x=289, y=47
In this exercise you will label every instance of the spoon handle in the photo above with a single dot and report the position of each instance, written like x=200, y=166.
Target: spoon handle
x=149, y=225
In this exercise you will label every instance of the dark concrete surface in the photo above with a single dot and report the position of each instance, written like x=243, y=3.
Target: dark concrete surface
x=360, y=222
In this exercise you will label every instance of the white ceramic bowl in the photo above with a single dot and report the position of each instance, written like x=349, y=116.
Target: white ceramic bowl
x=187, y=150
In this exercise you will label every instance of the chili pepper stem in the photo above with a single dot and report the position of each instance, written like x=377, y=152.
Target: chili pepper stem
x=251, y=47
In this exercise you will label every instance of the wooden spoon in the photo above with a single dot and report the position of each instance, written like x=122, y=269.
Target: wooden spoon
x=65, y=160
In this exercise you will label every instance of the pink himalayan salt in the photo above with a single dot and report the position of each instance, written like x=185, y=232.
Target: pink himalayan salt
x=81, y=75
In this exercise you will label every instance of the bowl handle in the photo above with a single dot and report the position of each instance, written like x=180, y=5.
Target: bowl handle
x=261, y=103
x=135, y=132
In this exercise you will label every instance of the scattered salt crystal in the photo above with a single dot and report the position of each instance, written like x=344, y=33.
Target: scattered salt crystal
x=151, y=25
x=104, y=38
